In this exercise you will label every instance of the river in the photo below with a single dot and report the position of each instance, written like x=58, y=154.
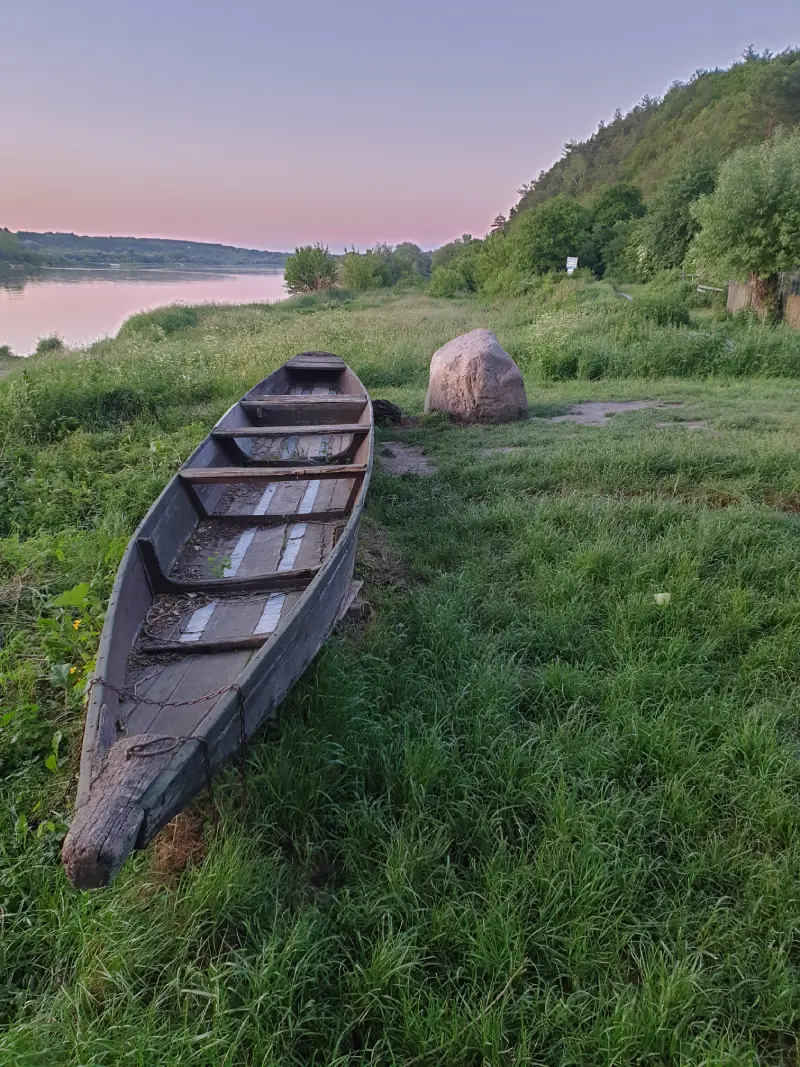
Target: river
x=82, y=306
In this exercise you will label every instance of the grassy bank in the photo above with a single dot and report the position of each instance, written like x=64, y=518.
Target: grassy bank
x=530, y=815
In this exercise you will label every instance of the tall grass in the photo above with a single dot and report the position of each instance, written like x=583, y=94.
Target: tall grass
x=531, y=815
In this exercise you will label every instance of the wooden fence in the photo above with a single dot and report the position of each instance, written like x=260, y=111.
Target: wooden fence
x=740, y=298
x=791, y=310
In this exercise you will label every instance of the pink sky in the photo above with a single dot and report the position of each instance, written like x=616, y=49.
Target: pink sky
x=269, y=126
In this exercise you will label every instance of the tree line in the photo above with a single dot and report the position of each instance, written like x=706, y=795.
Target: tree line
x=680, y=195
x=312, y=268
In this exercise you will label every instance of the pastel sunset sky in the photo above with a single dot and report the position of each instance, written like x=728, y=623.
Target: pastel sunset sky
x=270, y=125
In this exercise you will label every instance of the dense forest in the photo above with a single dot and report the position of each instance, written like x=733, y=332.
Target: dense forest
x=71, y=250
x=702, y=121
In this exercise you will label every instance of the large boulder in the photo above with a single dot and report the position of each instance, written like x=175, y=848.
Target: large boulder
x=475, y=379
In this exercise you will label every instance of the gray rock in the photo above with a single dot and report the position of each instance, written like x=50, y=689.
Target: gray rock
x=474, y=378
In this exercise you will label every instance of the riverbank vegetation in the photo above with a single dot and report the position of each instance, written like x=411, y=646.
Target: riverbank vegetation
x=705, y=179
x=72, y=250
x=13, y=254
x=542, y=809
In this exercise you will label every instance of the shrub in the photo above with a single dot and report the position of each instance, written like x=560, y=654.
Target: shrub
x=361, y=271
x=49, y=344
x=663, y=311
x=5, y=352
x=448, y=280
x=310, y=269
x=160, y=323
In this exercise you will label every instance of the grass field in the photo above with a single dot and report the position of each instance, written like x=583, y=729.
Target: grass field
x=533, y=814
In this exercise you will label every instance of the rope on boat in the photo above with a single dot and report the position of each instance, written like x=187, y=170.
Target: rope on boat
x=143, y=748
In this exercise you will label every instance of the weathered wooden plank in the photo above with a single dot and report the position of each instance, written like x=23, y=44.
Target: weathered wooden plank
x=216, y=475
x=194, y=648
x=316, y=365
x=104, y=832
x=282, y=517
x=328, y=358
x=162, y=583
x=204, y=678
x=143, y=713
x=234, y=617
x=298, y=454
x=307, y=409
x=264, y=552
x=293, y=431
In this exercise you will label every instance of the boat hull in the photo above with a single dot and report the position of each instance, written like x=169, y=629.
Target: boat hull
x=152, y=742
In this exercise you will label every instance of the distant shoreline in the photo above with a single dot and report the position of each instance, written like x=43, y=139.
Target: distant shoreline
x=166, y=270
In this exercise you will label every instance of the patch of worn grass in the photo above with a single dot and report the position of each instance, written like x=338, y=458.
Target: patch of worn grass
x=529, y=815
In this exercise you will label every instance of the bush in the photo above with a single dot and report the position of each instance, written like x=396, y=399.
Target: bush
x=49, y=344
x=361, y=272
x=310, y=269
x=160, y=323
x=664, y=311
x=6, y=353
x=448, y=280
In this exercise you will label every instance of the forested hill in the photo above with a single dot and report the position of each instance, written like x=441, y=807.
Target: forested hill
x=700, y=122
x=70, y=250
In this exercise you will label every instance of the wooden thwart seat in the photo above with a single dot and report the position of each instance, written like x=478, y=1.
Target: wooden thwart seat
x=160, y=582
x=316, y=364
x=328, y=359
x=294, y=408
x=193, y=648
x=359, y=428
x=226, y=475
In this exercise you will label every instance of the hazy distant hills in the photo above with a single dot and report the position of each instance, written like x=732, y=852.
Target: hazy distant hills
x=71, y=250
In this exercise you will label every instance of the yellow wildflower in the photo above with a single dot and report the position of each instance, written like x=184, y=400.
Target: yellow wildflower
x=76, y=624
x=72, y=670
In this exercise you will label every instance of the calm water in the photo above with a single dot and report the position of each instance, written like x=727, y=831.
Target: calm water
x=83, y=306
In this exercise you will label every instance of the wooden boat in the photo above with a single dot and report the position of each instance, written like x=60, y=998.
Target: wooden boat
x=230, y=585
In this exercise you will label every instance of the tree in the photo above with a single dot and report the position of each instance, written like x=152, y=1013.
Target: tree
x=750, y=224
x=541, y=239
x=613, y=209
x=669, y=226
x=361, y=271
x=310, y=269
x=617, y=203
x=412, y=260
x=499, y=224
x=443, y=255
x=11, y=251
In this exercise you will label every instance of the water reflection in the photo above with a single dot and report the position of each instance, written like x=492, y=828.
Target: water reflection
x=82, y=306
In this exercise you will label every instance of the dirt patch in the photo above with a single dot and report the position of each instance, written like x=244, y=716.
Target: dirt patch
x=596, y=413
x=691, y=424
x=179, y=845
x=396, y=458
x=379, y=561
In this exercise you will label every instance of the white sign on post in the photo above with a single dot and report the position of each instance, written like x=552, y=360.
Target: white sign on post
x=572, y=263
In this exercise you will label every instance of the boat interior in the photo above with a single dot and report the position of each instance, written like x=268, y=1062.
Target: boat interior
x=234, y=541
